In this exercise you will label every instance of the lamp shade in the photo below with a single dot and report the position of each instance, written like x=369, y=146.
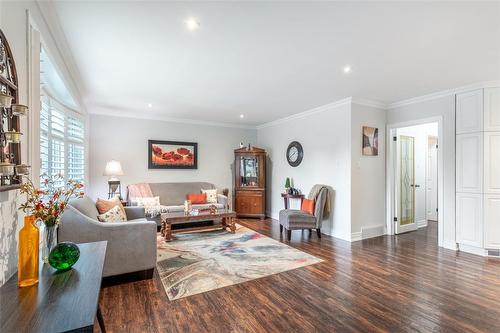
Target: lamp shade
x=113, y=168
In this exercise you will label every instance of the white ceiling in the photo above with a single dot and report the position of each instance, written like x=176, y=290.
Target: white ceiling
x=270, y=60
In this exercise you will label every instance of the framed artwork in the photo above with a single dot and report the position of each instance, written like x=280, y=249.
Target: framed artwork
x=172, y=155
x=370, y=141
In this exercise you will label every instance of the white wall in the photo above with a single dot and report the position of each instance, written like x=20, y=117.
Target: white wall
x=325, y=136
x=420, y=134
x=440, y=107
x=367, y=175
x=126, y=140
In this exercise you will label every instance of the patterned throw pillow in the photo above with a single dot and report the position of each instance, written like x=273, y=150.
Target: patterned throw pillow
x=105, y=205
x=115, y=214
x=147, y=201
x=211, y=195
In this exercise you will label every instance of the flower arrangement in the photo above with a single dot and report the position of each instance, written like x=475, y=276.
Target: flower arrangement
x=49, y=202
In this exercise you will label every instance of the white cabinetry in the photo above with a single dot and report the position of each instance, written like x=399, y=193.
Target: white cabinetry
x=492, y=109
x=469, y=112
x=491, y=204
x=478, y=170
x=470, y=219
x=469, y=162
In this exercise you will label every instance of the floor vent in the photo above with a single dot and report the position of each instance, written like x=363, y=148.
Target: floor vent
x=493, y=253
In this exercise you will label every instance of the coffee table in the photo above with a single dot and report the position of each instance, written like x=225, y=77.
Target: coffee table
x=226, y=216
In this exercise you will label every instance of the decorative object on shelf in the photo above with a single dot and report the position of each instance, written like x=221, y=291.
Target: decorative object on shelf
x=5, y=100
x=10, y=126
x=113, y=169
x=19, y=110
x=47, y=204
x=242, y=145
x=22, y=169
x=172, y=155
x=27, y=265
x=294, y=153
x=188, y=207
x=250, y=182
x=287, y=184
x=64, y=255
x=370, y=141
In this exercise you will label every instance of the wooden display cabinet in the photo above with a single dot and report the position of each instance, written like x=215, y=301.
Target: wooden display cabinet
x=250, y=182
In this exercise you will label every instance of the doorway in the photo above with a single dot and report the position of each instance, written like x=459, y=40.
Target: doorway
x=414, y=184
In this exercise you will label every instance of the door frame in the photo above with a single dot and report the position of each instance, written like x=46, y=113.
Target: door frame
x=427, y=171
x=391, y=172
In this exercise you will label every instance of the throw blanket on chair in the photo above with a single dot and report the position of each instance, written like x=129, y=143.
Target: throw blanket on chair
x=138, y=190
x=314, y=193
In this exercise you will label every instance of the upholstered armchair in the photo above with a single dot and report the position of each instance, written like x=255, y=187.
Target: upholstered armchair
x=131, y=244
x=294, y=219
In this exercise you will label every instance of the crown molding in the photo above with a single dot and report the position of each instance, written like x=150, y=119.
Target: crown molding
x=307, y=113
x=369, y=102
x=444, y=93
x=134, y=115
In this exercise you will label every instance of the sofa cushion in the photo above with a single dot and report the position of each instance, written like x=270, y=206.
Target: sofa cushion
x=115, y=214
x=211, y=195
x=85, y=206
x=307, y=206
x=197, y=198
x=104, y=206
x=173, y=194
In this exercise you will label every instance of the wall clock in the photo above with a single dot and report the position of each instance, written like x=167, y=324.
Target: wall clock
x=294, y=153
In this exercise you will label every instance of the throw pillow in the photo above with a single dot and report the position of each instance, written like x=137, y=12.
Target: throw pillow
x=307, y=206
x=211, y=196
x=104, y=206
x=147, y=201
x=115, y=214
x=197, y=198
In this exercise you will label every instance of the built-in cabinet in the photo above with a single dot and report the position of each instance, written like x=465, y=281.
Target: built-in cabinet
x=478, y=169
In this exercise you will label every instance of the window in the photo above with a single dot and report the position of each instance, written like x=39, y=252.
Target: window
x=62, y=143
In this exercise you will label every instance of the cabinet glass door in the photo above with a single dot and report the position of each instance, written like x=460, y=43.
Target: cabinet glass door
x=249, y=171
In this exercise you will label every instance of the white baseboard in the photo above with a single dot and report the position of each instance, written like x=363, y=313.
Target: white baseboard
x=422, y=223
x=368, y=232
x=450, y=245
x=472, y=249
x=356, y=236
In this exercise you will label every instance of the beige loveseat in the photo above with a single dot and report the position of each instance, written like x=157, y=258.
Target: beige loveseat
x=173, y=195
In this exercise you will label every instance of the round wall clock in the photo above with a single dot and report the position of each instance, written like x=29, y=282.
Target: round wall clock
x=294, y=153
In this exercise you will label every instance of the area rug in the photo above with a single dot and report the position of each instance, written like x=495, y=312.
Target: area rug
x=200, y=262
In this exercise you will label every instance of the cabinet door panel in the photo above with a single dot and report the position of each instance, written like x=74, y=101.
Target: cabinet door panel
x=492, y=162
x=492, y=109
x=469, y=159
x=249, y=202
x=469, y=219
x=469, y=112
x=492, y=221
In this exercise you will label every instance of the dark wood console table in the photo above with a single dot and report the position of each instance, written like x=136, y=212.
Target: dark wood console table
x=61, y=301
x=286, y=197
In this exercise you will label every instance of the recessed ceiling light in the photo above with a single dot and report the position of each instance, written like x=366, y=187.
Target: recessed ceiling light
x=150, y=105
x=242, y=116
x=192, y=24
x=347, y=69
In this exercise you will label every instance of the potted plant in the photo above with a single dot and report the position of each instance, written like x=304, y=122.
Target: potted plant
x=48, y=203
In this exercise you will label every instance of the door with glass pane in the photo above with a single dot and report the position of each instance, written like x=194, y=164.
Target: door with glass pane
x=406, y=185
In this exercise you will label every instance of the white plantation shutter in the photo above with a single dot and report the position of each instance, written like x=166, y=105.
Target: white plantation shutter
x=62, y=141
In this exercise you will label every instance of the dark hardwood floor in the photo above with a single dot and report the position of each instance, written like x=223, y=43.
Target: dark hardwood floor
x=402, y=283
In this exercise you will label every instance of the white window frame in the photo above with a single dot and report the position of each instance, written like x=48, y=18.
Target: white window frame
x=67, y=112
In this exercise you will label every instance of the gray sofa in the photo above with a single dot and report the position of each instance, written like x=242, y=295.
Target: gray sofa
x=173, y=195
x=131, y=245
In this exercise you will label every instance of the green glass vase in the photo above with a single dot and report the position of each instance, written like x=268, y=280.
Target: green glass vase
x=64, y=255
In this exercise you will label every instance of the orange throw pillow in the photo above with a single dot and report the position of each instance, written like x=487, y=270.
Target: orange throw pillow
x=307, y=206
x=197, y=198
x=104, y=206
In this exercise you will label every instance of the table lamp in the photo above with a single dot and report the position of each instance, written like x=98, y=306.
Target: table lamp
x=113, y=169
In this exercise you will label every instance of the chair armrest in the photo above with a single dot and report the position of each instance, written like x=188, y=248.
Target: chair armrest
x=222, y=199
x=135, y=212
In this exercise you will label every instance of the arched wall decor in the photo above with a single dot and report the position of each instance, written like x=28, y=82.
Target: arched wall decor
x=11, y=168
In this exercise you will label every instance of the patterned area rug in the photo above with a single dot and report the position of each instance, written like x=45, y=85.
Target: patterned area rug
x=200, y=262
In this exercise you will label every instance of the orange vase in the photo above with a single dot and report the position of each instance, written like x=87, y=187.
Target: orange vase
x=27, y=270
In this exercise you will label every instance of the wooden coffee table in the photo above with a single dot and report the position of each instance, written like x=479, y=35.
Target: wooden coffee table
x=226, y=216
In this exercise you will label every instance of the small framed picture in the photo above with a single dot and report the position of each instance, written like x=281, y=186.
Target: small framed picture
x=172, y=155
x=370, y=141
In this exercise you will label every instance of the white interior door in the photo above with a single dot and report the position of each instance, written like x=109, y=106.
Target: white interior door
x=431, y=183
x=406, y=185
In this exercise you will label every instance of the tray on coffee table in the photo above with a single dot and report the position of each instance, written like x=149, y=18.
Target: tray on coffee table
x=227, y=218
